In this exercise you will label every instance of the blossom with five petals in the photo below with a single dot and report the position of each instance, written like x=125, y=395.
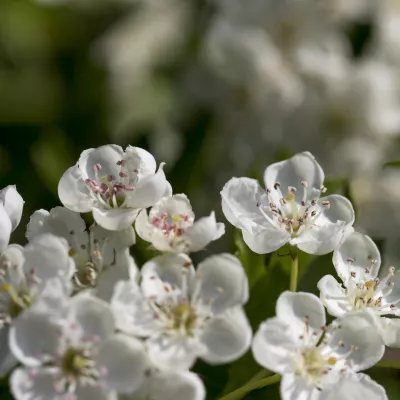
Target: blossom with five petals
x=170, y=226
x=290, y=210
x=312, y=357
x=113, y=183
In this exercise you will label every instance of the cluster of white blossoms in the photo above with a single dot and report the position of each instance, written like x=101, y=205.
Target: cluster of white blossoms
x=80, y=321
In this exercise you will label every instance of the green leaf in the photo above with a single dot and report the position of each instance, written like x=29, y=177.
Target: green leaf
x=395, y=163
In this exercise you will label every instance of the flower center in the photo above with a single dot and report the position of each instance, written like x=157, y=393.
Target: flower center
x=77, y=363
x=289, y=214
x=110, y=191
x=171, y=225
x=313, y=365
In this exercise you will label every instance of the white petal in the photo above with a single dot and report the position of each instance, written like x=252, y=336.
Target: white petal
x=291, y=172
x=95, y=393
x=359, y=329
x=223, y=282
x=123, y=270
x=389, y=328
x=143, y=227
x=177, y=352
x=73, y=191
x=172, y=269
x=149, y=190
x=53, y=296
x=172, y=385
x=13, y=204
x=359, y=387
x=93, y=315
x=354, y=255
x=61, y=222
x=226, y=337
x=204, y=231
x=140, y=160
x=177, y=204
x=394, y=296
x=294, y=388
x=239, y=204
x=340, y=209
x=115, y=219
x=125, y=361
x=295, y=307
x=48, y=256
x=274, y=345
x=106, y=156
x=333, y=295
x=132, y=311
x=34, y=336
x=5, y=228
x=7, y=359
x=266, y=241
x=37, y=385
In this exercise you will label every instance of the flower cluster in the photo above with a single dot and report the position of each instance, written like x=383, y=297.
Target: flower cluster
x=80, y=320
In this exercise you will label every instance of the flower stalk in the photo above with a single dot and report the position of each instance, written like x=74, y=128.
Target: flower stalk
x=294, y=268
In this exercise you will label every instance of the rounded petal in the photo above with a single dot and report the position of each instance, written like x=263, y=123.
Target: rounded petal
x=359, y=387
x=223, y=282
x=172, y=385
x=7, y=359
x=106, y=156
x=94, y=393
x=143, y=227
x=239, y=204
x=132, y=311
x=300, y=168
x=124, y=360
x=48, y=256
x=115, y=219
x=266, y=241
x=140, y=160
x=358, y=331
x=5, y=228
x=296, y=307
x=73, y=191
x=358, y=254
x=149, y=190
x=13, y=204
x=274, y=345
x=333, y=296
x=389, y=328
x=93, y=315
x=340, y=210
x=226, y=337
x=40, y=384
x=203, y=231
x=34, y=338
x=293, y=388
x=174, y=270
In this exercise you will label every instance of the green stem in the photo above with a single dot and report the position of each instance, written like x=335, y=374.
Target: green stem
x=388, y=364
x=242, y=391
x=260, y=375
x=294, y=269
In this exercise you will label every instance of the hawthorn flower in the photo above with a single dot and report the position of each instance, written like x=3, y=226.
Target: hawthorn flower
x=290, y=210
x=357, y=262
x=314, y=358
x=183, y=314
x=101, y=257
x=11, y=205
x=170, y=226
x=114, y=184
x=27, y=275
x=74, y=356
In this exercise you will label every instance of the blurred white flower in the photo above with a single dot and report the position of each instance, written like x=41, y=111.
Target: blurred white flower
x=312, y=357
x=185, y=314
x=269, y=219
x=170, y=226
x=101, y=257
x=357, y=262
x=114, y=184
x=11, y=206
x=75, y=354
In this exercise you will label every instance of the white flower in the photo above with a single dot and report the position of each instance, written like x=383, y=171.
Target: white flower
x=290, y=210
x=185, y=314
x=75, y=356
x=357, y=262
x=11, y=205
x=101, y=257
x=170, y=226
x=312, y=357
x=114, y=184
x=169, y=385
